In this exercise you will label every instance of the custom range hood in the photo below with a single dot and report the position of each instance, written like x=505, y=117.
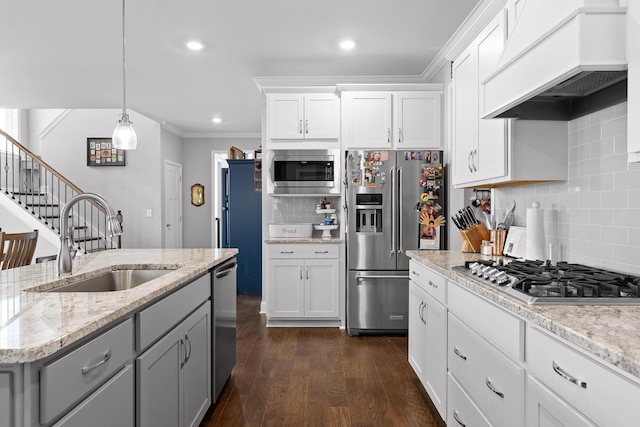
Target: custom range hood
x=562, y=60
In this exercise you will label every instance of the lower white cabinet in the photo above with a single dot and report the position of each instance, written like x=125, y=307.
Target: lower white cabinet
x=303, y=281
x=461, y=409
x=545, y=409
x=110, y=405
x=174, y=375
x=428, y=345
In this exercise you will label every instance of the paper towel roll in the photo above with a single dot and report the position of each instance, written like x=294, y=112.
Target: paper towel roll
x=535, y=232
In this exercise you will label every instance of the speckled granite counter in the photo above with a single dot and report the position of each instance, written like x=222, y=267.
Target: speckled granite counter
x=611, y=333
x=303, y=240
x=34, y=325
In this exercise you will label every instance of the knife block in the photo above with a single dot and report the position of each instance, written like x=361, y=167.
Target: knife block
x=473, y=237
x=497, y=240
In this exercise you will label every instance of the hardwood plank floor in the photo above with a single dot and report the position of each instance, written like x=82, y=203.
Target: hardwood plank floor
x=318, y=377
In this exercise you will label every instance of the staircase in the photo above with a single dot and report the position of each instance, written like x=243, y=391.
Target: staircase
x=41, y=191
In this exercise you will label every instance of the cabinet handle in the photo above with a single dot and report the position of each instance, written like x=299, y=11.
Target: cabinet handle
x=493, y=389
x=433, y=285
x=307, y=272
x=475, y=161
x=459, y=354
x=306, y=126
x=300, y=127
x=424, y=305
x=184, y=348
x=300, y=272
x=420, y=311
x=286, y=252
x=399, y=135
x=415, y=273
x=456, y=416
x=105, y=358
x=188, y=341
x=322, y=252
x=469, y=161
x=558, y=370
x=388, y=134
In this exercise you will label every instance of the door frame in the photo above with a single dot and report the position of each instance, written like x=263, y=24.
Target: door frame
x=218, y=162
x=167, y=164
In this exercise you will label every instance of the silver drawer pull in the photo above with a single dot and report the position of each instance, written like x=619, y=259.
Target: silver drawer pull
x=415, y=273
x=433, y=284
x=322, y=252
x=493, y=389
x=460, y=355
x=286, y=252
x=456, y=417
x=105, y=358
x=558, y=370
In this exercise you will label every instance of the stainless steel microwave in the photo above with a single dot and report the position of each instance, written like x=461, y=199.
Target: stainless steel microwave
x=303, y=171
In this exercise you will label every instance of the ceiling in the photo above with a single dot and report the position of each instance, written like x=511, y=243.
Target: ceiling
x=68, y=53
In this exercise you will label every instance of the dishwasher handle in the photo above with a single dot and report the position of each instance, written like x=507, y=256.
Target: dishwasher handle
x=229, y=268
x=381, y=277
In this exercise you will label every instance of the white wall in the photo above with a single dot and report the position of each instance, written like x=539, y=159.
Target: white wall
x=196, y=154
x=132, y=189
x=594, y=217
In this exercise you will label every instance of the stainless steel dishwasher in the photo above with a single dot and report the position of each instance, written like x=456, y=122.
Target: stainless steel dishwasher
x=224, y=324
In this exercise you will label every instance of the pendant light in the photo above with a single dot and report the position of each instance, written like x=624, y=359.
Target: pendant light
x=124, y=136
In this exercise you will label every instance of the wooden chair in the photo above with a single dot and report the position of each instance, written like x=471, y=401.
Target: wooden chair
x=17, y=248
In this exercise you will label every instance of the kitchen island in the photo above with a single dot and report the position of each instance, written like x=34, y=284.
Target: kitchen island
x=104, y=335
x=580, y=363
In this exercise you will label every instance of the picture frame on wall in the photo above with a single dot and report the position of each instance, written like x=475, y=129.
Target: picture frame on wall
x=100, y=152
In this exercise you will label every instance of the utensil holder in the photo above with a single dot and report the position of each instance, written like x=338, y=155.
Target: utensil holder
x=473, y=237
x=498, y=238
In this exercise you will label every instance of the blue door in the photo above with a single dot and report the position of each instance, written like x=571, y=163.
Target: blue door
x=223, y=232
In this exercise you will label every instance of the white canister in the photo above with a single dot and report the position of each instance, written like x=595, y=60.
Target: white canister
x=535, y=233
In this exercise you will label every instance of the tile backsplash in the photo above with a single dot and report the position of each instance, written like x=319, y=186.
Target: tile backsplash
x=297, y=210
x=594, y=217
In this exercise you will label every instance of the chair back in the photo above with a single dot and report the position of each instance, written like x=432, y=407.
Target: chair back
x=17, y=248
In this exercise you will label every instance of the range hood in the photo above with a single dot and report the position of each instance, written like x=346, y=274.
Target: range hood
x=562, y=60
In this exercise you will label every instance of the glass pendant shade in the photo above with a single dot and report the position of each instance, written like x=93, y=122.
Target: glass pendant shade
x=124, y=136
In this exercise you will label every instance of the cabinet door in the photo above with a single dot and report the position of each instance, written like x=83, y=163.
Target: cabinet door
x=6, y=399
x=286, y=116
x=321, y=116
x=464, y=116
x=110, y=405
x=490, y=157
x=285, y=291
x=367, y=119
x=322, y=288
x=417, y=335
x=196, y=370
x=159, y=382
x=435, y=315
x=545, y=409
x=416, y=119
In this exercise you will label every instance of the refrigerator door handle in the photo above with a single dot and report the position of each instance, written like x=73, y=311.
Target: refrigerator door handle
x=400, y=210
x=394, y=213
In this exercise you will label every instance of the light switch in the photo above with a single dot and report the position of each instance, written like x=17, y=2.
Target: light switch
x=149, y=213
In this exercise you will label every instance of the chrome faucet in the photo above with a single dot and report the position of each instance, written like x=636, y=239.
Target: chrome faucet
x=67, y=251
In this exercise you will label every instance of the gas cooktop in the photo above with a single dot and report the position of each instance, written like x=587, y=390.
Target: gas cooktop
x=542, y=283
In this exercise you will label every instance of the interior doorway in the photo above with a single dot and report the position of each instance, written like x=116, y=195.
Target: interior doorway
x=218, y=163
x=172, y=205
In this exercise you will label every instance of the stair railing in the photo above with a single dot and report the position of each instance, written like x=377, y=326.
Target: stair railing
x=33, y=184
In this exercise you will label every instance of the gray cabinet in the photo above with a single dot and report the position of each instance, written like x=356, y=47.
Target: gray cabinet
x=6, y=400
x=110, y=405
x=174, y=375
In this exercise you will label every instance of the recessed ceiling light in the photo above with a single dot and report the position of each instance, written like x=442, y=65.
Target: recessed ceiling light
x=348, y=44
x=195, y=45
x=216, y=120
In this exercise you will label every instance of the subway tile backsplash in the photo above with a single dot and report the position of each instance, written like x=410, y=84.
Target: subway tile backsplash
x=297, y=210
x=594, y=217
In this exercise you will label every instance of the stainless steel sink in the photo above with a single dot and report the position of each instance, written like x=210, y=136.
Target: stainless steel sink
x=116, y=280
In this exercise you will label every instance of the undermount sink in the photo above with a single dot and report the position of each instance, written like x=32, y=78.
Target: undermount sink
x=115, y=280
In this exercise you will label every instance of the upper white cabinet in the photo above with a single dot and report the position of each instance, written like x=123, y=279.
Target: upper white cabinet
x=394, y=120
x=491, y=152
x=633, y=82
x=303, y=116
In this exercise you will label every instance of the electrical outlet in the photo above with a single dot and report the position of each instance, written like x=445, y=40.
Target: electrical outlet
x=149, y=213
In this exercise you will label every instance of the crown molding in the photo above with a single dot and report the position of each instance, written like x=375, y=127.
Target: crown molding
x=271, y=84
x=172, y=129
x=219, y=135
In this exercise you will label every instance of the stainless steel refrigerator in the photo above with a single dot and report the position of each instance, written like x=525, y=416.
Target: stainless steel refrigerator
x=395, y=202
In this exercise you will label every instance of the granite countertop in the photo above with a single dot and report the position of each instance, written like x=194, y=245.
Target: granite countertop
x=302, y=240
x=608, y=332
x=34, y=325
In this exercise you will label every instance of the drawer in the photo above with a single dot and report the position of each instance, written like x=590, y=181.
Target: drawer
x=497, y=326
x=601, y=394
x=155, y=321
x=65, y=380
x=492, y=380
x=461, y=410
x=431, y=282
x=6, y=399
x=301, y=250
x=544, y=408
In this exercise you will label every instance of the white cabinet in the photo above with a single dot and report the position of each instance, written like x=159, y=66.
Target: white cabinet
x=303, y=281
x=602, y=395
x=392, y=120
x=498, y=151
x=303, y=116
x=633, y=81
x=174, y=375
x=545, y=409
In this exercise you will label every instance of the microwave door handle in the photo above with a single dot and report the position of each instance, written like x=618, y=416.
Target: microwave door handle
x=400, y=210
x=393, y=213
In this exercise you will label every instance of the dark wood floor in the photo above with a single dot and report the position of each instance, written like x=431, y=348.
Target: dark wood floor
x=318, y=377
